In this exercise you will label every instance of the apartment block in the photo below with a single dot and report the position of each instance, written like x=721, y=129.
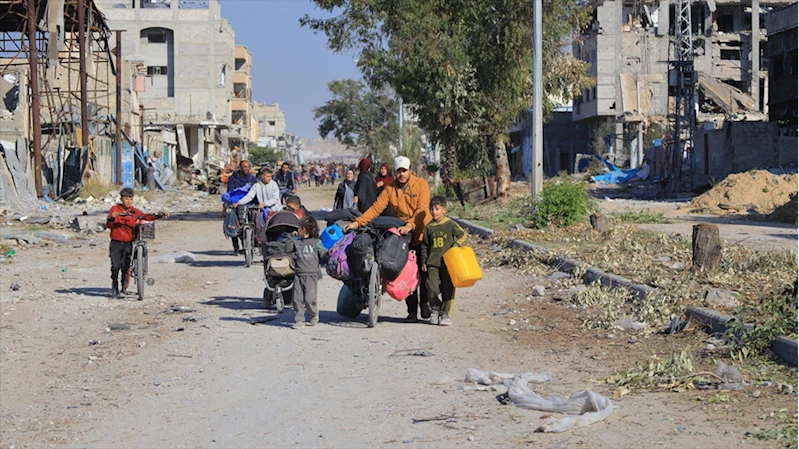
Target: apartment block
x=240, y=104
x=185, y=84
x=271, y=125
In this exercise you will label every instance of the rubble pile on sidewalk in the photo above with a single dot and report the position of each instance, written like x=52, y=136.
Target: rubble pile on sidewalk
x=33, y=221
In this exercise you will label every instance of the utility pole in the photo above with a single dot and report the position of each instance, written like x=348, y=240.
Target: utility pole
x=755, y=64
x=33, y=59
x=118, y=140
x=84, y=106
x=537, y=134
x=401, y=120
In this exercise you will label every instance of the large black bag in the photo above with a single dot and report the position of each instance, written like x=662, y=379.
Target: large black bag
x=393, y=255
x=361, y=255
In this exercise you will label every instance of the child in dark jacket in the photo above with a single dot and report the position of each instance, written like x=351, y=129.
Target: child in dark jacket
x=122, y=222
x=307, y=251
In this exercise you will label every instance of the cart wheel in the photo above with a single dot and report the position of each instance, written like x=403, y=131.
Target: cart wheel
x=248, y=250
x=140, y=272
x=374, y=295
x=267, y=299
x=279, y=300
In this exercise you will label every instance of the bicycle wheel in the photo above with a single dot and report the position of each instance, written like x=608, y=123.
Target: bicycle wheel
x=247, y=237
x=140, y=272
x=267, y=298
x=374, y=295
x=279, y=301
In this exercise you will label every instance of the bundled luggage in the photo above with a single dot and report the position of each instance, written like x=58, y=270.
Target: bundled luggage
x=361, y=255
x=337, y=264
x=407, y=281
x=393, y=254
x=231, y=225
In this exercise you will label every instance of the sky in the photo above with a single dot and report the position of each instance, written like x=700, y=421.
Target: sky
x=290, y=65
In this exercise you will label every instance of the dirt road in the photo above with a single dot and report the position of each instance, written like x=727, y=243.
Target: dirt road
x=209, y=378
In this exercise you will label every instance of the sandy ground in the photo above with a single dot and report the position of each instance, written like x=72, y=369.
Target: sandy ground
x=758, y=235
x=209, y=378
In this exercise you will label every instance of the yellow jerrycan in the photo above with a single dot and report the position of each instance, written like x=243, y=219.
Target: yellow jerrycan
x=462, y=266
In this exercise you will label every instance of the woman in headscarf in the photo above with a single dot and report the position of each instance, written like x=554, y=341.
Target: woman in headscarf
x=345, y=194
x=383, y=178
x=365, y=187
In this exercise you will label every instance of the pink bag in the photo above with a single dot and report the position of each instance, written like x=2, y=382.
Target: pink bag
x=407, y=281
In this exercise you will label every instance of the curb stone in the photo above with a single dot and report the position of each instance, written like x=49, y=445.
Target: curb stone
x=786, y=348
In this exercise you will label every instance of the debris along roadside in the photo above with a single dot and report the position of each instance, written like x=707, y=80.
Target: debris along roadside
x=589, y=407
x=749, y=272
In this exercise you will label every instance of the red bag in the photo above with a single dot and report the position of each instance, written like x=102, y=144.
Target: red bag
x=407, y=281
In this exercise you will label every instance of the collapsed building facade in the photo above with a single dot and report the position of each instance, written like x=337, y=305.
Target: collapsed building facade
x=631, y=49
x=62, y=115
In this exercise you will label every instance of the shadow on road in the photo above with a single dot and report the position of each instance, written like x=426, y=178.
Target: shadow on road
x=196, y=216
x=87, y=291
x=215, y=253
x=217, y=263
x=786, y=236
x=235, y=302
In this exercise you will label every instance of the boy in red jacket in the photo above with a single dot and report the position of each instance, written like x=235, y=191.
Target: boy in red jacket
x=122, y=221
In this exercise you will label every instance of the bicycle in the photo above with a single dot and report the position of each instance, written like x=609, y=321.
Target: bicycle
x=137, y=269
x=248, y=235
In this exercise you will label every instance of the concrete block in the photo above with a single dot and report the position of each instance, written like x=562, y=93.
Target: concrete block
x=721, y=297
x=474, y=228
x=84, y=223
x=786, y=348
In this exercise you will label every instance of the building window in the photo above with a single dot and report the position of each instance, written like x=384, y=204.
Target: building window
x=792, y=64
x=731, y=54
x=594, y=92
x=193, y=4
x=157, y=70
x=156, y=36
x=779, y=68
x=160, y=4
x=271, y=123
x=726, y=22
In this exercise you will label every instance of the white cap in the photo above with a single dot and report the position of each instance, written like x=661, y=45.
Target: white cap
x=402, y=162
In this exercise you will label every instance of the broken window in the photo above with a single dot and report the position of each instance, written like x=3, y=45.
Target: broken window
x=156, y=36
x=726, y=22
x=157, y=70
x=728, y=54
x=193, y=4
x=240, y=64
x=161, y=4
x=792, y=64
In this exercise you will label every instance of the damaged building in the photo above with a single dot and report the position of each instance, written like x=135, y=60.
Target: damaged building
x=629, y=46
x=782, y=64
x=59, y=119
x=186, y=82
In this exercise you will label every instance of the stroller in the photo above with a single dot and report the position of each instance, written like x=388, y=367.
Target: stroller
x=278, y=264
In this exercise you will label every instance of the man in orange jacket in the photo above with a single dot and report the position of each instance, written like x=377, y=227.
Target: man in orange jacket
x=408, y=196
x=122, y=221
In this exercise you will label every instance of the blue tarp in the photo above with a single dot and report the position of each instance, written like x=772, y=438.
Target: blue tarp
x=236, y=194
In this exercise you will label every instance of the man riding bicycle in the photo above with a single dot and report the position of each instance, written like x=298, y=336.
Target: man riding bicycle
x=285, y=181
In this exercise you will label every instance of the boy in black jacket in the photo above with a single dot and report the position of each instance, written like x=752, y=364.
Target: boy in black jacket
x=440, y=235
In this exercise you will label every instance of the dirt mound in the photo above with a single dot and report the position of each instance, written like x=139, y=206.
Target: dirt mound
x=787, y=213
x=757, y=189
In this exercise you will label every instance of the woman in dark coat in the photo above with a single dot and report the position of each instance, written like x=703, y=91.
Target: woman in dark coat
x=345, y=193
x=365, y=187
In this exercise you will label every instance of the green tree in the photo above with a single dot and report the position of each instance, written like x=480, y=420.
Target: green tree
x=363, y=119
x=264, y=155
x=464, y=66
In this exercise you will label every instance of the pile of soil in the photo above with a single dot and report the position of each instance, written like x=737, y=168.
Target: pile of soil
x=758, y=190
x=787, y=213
